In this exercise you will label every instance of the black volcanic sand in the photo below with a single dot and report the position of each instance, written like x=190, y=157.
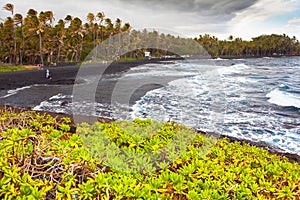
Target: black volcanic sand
x=67, y=76
x=63, y=75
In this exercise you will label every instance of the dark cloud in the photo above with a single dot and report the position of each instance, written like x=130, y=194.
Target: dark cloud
x=188, y=17
x=203, y=7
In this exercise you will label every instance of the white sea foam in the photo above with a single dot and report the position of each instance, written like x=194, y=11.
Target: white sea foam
x=191, y=101
x=185, y=101
x=60, y=96
x=282, y=85
x=234, y=69
x=266, y=127
x=283, y=98
x=57, y=103
x=62, y=103
x=15, y=91
x=51, y=106
x=238, y=59
x=159, y=70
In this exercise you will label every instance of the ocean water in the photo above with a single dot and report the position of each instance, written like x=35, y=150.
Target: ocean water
x=259, y=100
x=254, y=99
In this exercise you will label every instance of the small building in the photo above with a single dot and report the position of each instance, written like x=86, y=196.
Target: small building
x=147, y=54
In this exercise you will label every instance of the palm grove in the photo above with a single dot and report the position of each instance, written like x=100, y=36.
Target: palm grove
x=34, y=39
x=264, y=45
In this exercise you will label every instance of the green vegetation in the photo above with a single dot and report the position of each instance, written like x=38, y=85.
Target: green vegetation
x=35, y=38
x=126, y=59
x=15, y=68
x=265, y=45
x=42, y=158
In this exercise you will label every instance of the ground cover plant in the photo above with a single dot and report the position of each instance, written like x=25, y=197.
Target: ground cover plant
x=16, y=68
x=43, y=158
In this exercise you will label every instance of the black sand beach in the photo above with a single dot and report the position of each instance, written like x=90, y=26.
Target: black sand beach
x=62, y=75
x=66, y=75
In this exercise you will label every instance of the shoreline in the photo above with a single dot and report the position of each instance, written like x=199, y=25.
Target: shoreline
x=271, y=149
x=250, y=57
x=67, y=75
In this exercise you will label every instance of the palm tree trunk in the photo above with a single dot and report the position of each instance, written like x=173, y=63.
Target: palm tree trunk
x=22, y=48
x=102, y=37
x=94, y=44
x=41, y=46
x=15, y=47
x=80, y=50
x=51, y=56
x=58, y=55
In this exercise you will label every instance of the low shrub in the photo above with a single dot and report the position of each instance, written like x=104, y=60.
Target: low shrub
x=41, y=158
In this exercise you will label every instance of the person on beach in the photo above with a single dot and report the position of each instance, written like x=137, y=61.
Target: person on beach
x=39, y=66
x=48, y=75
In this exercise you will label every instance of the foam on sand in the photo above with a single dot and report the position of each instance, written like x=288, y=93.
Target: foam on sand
x=15, y=91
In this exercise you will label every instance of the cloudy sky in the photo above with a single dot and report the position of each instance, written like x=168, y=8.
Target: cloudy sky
x=240, y=18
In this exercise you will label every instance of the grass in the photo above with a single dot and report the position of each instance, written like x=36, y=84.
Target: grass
x=127, y=59
x=42, y=158
x=16, y=68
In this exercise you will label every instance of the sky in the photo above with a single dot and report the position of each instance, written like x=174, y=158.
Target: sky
x=188, y=18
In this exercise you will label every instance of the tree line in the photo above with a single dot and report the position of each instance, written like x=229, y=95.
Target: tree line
x=264, y=45
x=35, y=39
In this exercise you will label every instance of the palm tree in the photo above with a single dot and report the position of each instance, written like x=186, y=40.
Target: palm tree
x=10, y=7
x=77, y=35
x=29, y=39
x=7, y=38
x=31, y=12
x=92, y=28
x=117, y=30
x=91, y=19
x=19, y=20
x=48, y=26
x=68, y=19
x=126, y=27
x=42, y=19
x=101, y=17
x=60, y=36
x=109, y=27
x=118, y=24
x=36, y=25
x=50, y=17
